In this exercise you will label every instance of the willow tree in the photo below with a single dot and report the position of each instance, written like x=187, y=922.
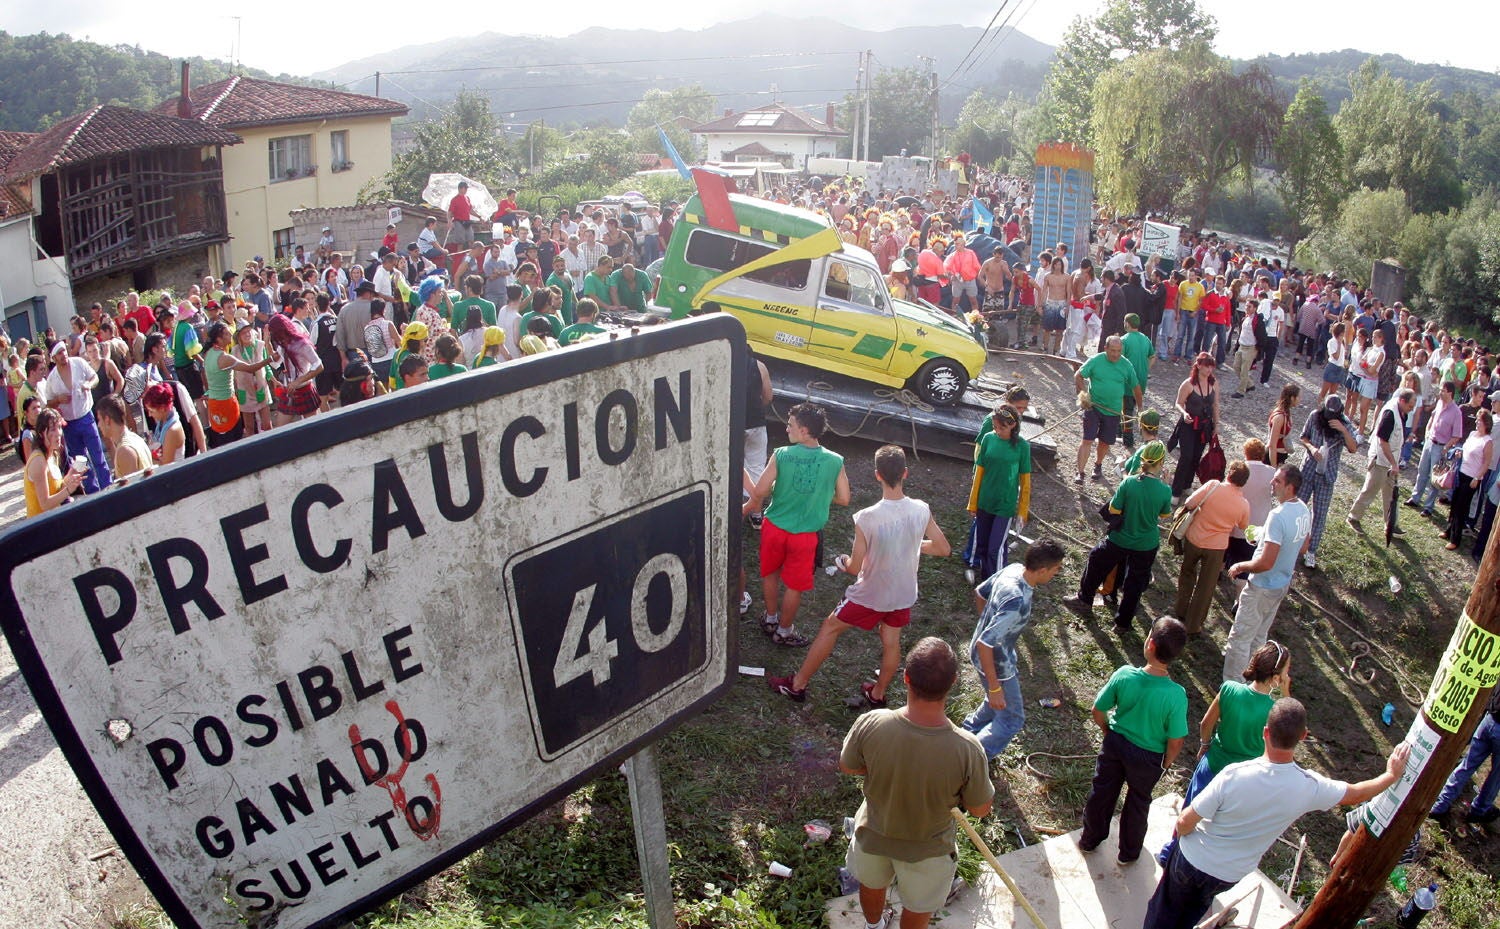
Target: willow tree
x=1171, y=125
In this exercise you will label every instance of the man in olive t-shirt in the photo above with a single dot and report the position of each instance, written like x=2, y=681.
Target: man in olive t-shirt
x=917, y=765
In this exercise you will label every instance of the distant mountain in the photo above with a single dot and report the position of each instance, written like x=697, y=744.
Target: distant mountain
x=598, y=74
x=1331, y=72
x=45, y=78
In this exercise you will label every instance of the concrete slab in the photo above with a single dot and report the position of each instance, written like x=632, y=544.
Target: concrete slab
x=1071, y=890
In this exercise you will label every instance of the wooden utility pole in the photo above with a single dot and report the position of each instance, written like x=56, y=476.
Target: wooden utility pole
x=1439, y=736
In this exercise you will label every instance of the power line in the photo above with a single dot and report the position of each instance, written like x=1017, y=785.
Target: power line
x=640, y=80
x=735, y=93
x=998, y=40
x=984, y=32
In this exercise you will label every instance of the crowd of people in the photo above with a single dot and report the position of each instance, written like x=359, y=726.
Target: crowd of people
x=135, y=387
x=132, y=387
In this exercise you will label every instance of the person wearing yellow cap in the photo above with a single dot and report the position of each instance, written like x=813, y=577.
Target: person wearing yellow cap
x=1135, y=512
x=413, y=338
x=494, y=348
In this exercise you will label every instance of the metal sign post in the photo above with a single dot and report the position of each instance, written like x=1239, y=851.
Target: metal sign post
x=303, y=673
x=650, y=821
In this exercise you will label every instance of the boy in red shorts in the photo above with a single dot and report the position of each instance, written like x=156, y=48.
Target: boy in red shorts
x=889, y=538
x=802, y=479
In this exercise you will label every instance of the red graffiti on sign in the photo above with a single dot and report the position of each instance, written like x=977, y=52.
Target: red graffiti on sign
x=422, y=814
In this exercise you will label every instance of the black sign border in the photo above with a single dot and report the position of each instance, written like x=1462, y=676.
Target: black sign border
x=37, y=536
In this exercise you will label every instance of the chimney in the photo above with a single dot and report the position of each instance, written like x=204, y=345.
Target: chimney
x=185, y=101
x=728, y=111
x=828, y=117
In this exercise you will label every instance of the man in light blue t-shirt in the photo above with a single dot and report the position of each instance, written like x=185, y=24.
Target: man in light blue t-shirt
x=1283, y=540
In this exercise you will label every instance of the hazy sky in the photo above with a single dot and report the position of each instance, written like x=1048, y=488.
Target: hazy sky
x=271, y=42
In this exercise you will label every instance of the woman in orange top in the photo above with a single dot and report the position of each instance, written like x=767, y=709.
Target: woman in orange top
x=47, y=488
x=1221, y=507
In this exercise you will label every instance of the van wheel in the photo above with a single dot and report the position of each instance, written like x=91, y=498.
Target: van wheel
x=940, y=381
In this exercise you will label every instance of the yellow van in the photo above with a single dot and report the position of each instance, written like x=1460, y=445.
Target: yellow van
x=806, y=296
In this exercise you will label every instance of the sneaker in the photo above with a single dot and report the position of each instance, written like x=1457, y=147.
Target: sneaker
x=1123, y=628
x=1079, y=478
x=1112, y=600
x=769, y=624
x=1098, y=471
x=1082, y=608
x=1398, y=532
x=789, y=638
x=1087, y=849
x=1412, y=502
x=1310, y=561
x=1236, y=396
x=1353, y=523
x=744, y=603
x=1427, y=513
x=1126, y=862
x=867, y=691
x=756, y=519
x=783, y=686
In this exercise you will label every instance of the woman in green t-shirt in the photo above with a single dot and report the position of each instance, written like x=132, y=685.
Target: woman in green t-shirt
x=449, y=352
x=1232, y=727
x=219, y=365
x=1001, y=492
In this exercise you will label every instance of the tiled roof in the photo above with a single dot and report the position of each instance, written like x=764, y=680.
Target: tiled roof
x=103, y=131
x=241, y=102
x=754, y=148
x=15, y=199
x=773, y=118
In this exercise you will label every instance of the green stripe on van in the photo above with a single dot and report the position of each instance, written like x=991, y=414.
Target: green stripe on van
x=873, y=346
x=801, y=321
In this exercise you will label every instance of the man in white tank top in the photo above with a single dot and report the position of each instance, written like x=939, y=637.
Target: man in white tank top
x=889, y=539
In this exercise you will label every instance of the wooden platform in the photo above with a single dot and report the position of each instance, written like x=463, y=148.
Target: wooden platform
x=878, y=413
x=1071, y=890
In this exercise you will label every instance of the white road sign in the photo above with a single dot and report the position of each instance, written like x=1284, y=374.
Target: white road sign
x=307, y=671
x=1160, y=239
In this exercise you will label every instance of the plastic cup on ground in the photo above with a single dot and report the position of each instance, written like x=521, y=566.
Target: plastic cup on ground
x=778, y=869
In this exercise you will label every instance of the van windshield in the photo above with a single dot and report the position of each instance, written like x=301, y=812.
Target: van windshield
x=719, y=252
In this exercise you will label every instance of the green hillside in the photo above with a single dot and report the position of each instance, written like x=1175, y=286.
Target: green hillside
x=45, y=78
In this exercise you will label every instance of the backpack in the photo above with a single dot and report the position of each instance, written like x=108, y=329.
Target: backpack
x=375, y=344
x=1258, y=326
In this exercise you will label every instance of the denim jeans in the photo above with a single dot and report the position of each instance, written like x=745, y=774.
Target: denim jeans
x=1216, y=335
x=995, y=728
x=81, y=436
x=1202, y=775
x=1183, y=895
x=1425, y=493
x=1187, y=334
x=1485, y=744
x=1165, y=334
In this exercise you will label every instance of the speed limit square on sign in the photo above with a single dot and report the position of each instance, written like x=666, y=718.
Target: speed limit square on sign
x=308, y=670
x=633, y=592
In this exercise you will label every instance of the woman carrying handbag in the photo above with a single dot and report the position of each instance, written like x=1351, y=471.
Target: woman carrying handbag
x=1198, y=407
x=1210, y=514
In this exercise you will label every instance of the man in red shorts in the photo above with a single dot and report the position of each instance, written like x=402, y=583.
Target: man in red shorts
x=802, y=479
x=889, y=538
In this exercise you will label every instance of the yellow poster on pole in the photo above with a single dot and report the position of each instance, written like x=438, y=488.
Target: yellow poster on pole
x=1470, y=664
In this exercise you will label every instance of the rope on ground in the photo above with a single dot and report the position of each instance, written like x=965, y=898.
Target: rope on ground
x=910, y=404
x=1362, y=652
x=1043, y=775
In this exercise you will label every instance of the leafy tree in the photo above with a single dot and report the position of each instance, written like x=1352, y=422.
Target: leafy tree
x=538, y=146
x=466, y=140
x=1091, y=47
x=1393, y=136
x=1368, y=228
x=1309, y=164
x=1453, y=264
x=1476, y=132
x=988, y=128
x=597, y=158
x=665, y=108
x=1171, y=125
x=899, y=112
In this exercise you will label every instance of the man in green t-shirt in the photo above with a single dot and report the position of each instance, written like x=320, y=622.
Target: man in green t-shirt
x=588, y=311
x=1137, y=348
x=811, y=478
x=563, y=281
x=1103, y=383
x=473, y=296
x=629, y=288
x=1143, y=715
x=1139, y=504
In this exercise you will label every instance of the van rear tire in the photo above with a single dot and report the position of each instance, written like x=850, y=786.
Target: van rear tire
x=941, y=382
